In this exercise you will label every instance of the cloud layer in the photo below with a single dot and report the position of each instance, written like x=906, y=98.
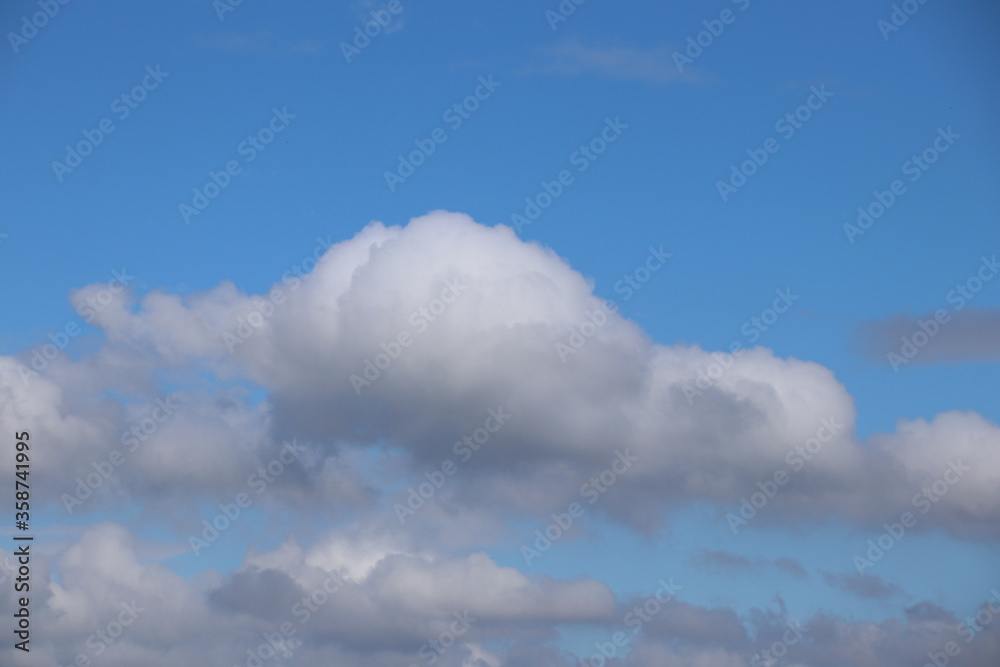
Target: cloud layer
x=391, y=365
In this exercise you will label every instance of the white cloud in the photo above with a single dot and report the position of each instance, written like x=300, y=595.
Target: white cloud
x=406, y=601
x=492, y=347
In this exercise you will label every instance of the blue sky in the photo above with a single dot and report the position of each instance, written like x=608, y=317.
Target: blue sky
x=869, y=100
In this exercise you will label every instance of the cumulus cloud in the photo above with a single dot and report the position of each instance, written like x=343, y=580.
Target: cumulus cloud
x=381, y=369
x=481, y=314
x=109, y=606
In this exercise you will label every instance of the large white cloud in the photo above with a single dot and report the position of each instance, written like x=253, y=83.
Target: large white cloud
x=480, y=313
x=456, y=323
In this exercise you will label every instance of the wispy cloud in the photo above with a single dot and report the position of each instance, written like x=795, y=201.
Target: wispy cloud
x=963, y=336
x=652, y=66
x=866, y=586
x=725, y=560
x=791, y=566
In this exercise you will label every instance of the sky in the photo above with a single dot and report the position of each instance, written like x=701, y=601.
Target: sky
x=479, y=335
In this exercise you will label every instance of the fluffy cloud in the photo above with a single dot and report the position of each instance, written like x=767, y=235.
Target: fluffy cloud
x=381, y=366
x=403, y=339
x=111, y=608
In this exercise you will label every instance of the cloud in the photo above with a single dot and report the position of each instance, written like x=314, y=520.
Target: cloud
x=867, y=586
x=791, y=566
x=191, y=402
x=966, y=335
x=572, y=58
x=406, y=600
x=725, y=560
x=383, y=619
x=406, y=597
x=479, y=310
x=824, y=640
